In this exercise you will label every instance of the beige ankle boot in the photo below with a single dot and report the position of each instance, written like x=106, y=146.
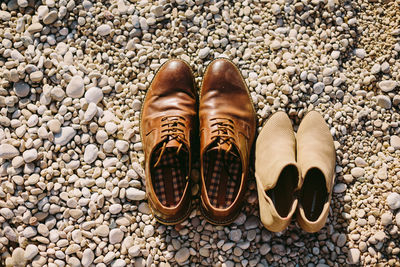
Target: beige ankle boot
x=316, y=157
x=277, y=173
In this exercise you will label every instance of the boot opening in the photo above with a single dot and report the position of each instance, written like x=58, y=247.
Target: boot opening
x=313, y=194
x=223, y=176
x=169, y=174
x=282, y=195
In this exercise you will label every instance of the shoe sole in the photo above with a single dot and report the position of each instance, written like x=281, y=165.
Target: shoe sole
x=203, y=212
x=166, y=222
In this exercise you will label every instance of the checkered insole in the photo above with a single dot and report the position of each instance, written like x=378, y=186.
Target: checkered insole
x=169, y=176
x=223, y=174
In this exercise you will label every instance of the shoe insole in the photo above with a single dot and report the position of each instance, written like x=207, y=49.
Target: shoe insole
x=313, y=194
x=223, y=172
x=169, y=176
x=282, y=195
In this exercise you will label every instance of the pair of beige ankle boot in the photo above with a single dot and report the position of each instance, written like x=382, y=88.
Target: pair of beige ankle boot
x=295, y=172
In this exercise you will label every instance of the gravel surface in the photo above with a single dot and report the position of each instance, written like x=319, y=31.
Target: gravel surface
x=72, y=80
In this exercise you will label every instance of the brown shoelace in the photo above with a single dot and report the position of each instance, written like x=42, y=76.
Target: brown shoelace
x=173, y=129
x=223, y=133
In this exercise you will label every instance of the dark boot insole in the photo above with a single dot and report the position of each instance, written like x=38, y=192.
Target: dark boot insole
x=313, y=194
x=282, y=195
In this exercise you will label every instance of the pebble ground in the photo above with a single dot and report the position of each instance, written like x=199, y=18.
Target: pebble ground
x=72, y=80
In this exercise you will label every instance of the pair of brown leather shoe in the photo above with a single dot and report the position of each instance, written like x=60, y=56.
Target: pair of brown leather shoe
x=169, y=127
x=295, y=172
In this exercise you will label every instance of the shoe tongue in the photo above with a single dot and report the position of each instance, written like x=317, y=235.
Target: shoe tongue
x=172, y=143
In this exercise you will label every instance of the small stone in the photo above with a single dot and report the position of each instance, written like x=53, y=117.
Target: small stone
x=57, y=94
x=203, y=53
x=5, y=16
x=144, y=208
x=50, y=18
x=116, y=236
x=357, y=172
x=134, y=251
x=31, y=251
x=36, y=76
x=29, y=232
x=353, y=256
x=393, y=201
x=6, y=213
x=8, y=151
x=90, y=112
x=319, y=87
x=360, y=53
x=21, y=89
x=340, y=188
x=91, y=152
x=384, y=101
x=341, y=241
x=64, y=136
x=135, y=194
x=94, y=95
x=360, y=162
x=387, y=86
x=54, y=125
x=235, y=235
x=35, y=27
x=102, y=230
x=395, y=142
x=118, y=263
x=386, y=218
x=18, y=257
x=122, y=146
x=115, y=208
x=148, y=231
x=104, y=29
x=75, y=88
x=87, y=257
x=182, y=255
x=30, y=155
x=75, y=213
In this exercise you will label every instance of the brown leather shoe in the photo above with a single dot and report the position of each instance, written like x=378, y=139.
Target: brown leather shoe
x=167, y=126
x=227, y=129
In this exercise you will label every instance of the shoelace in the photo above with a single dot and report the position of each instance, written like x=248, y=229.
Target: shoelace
x=172, y=130
x=223, y=132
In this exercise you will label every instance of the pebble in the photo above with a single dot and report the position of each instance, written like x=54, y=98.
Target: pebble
x=387, y=86
x=135, y=194
x=354, y=256
x=386, y=218
x=393, y=201
x=90, y=112
x=115, y=208
x=182, y=255
x=75, y=88
x=21, y=89
x=64, y=136
x=87, y=257
x=357, y=172
x=30, y=155
x=31, y=251
x=203, y=53
x=91, y=152
x=340, y=188
x=8, y=151
x=148, y=231
x=235, y=235
x=395, y=142
x=102, y=230
x=116, y=236
x=94, y=95
x=104, y=29
x=122, y=146
x=360, y=53
x=384, y=101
